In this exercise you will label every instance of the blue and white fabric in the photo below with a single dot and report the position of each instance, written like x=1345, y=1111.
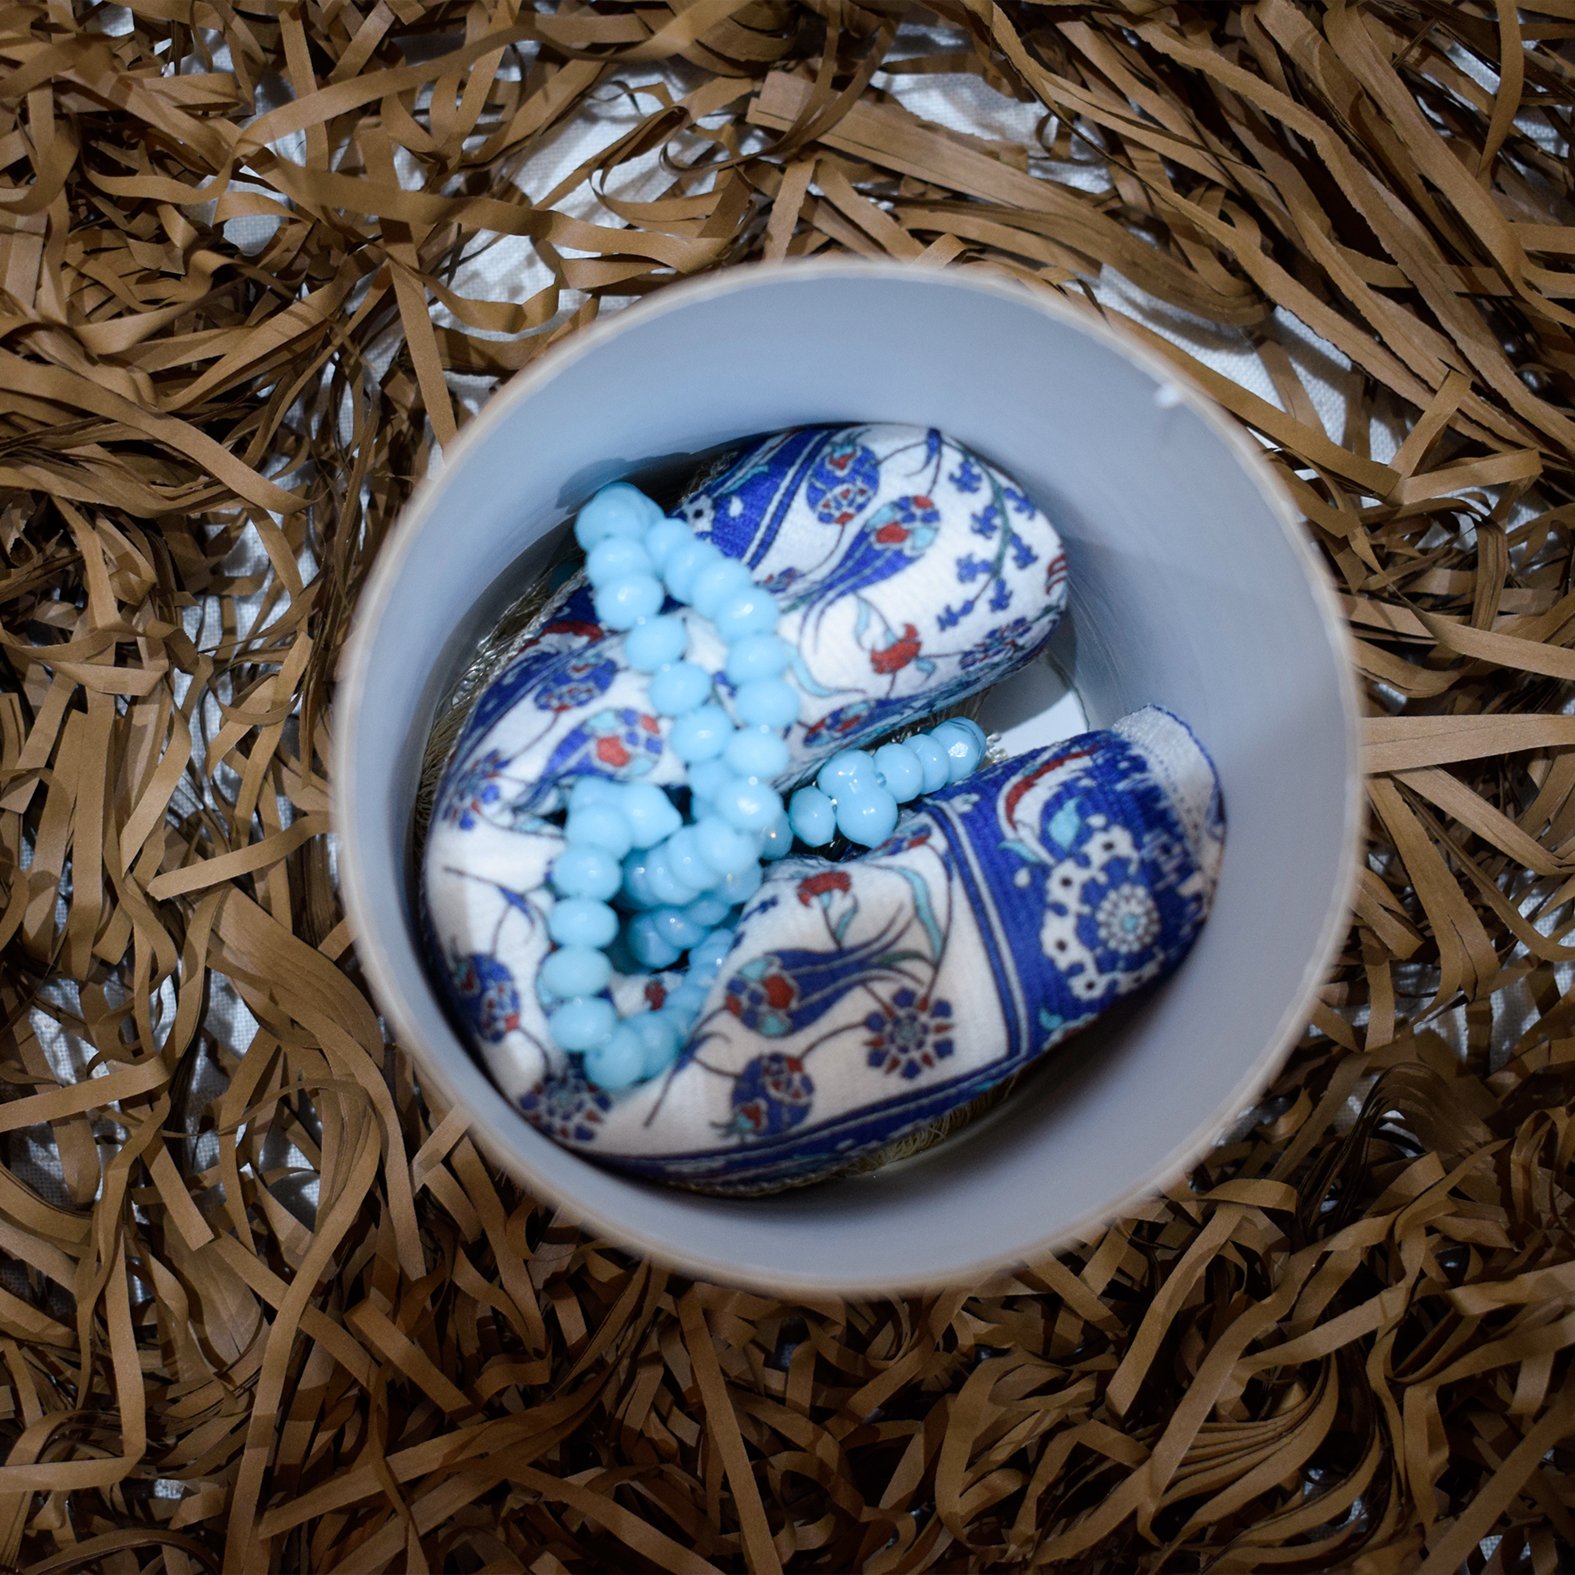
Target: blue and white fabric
x=910, y=573
x=865, y=998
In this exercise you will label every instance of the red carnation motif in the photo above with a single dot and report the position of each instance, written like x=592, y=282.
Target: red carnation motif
x=892, y=535
x=611, y=753
x=813, y=886
x=894, y=657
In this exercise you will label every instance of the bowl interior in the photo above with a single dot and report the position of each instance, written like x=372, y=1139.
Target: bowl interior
x=1190, y=587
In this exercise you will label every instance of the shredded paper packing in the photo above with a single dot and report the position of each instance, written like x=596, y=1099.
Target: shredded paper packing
x=262, y=1303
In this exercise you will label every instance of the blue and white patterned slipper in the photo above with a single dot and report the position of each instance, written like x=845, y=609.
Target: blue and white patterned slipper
x=867, y=998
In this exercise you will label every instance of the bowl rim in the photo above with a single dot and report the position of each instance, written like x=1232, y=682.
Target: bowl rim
x=468, y=1085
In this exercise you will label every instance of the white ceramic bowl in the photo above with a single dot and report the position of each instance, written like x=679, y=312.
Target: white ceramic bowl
x=1191, y=586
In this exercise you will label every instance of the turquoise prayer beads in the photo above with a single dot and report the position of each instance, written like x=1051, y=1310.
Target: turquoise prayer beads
x=858, y=794
x=680, y=881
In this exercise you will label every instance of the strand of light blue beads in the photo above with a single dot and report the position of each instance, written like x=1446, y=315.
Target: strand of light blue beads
x=681, y=881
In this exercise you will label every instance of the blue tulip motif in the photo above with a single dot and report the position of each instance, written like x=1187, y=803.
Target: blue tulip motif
x=742, y=509
x=890, y=539
x=779, y=993
x=843, y=481
x=576, y=679
x=771, y=1095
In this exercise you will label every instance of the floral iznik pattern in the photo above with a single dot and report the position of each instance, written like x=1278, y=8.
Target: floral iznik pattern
x=871, y=537
x=897, y=541
x=864, y=998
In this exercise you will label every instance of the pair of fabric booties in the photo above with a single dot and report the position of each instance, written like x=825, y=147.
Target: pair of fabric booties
x=866, y=1000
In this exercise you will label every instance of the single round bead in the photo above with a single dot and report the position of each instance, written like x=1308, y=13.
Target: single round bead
x=778, y=840
x=582, y=921
x=660, y=1042
x=848, y=771
x=756, y=656
x=599, y=825
x=663, y=536
x=708, y=779
x=962, y=749
x=650, y=814
x=749, y=805
x=679, y=687
x=701, y=734
x=932, y=760
x=867, y=816
x=678, y=927
x=687, y=1001
x=812, y=816
x=649, y=945
x=668, y=887
x=636, y=887
x=687, y=862
x=616, y=558
x=591, y=787
x=622, y=603
x=749, y=614
x=717, y=584
x=756, y=752
x=585, y=872
x=900, y=771
x=619, y=1063
x=574, y=970
x=705, y=959
x=684, y=565
x=727, y=850
x=656, y=642
x=707, y=911
x=681, y=1023
x=582, y=1024
x=767, y=702
x=978, y=734
x=738, y=888
x=617, y=510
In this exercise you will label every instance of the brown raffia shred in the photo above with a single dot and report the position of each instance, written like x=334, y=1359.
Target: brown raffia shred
x=261, y=1307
